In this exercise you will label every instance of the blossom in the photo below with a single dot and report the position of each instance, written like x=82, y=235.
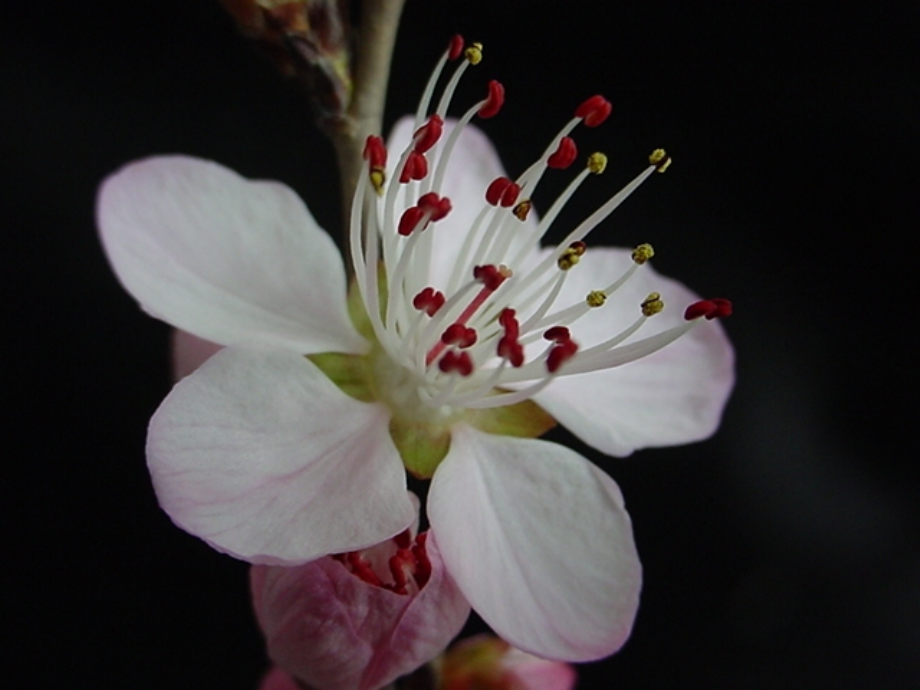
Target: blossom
x=459, y=340
x=488, y=663
x=358, y=621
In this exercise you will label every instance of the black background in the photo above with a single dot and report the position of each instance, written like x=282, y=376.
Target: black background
x=783, y=553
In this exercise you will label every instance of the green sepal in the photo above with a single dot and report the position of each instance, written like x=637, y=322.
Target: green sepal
x=348, y=372
x=524, y=420
x=422, y=447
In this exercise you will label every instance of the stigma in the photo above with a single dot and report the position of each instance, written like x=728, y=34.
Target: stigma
x=493, y=332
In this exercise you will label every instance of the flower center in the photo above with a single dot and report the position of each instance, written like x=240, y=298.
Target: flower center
x=400, y=565
x=490, y=331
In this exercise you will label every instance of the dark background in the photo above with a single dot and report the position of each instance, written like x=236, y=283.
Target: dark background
x=783, y=553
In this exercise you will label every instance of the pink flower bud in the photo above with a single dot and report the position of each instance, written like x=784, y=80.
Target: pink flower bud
x=341, y=623
x=488, y=663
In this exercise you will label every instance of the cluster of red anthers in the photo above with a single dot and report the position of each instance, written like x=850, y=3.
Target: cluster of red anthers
x=563, y=349
x=409, y=561
x=715, y=308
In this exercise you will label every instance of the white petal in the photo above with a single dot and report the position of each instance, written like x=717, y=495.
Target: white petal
x=227, y=259
x=671, y=397
x=473, y=165
x=260, y=455
x=539, y=542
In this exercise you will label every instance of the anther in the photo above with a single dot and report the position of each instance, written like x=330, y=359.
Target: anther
x=571, y=256
x=416, y=168
x=491, y=276
x=435, y=205
x=596, y=298
x=564, y=155
x=560, y=354
x=428, y=134
x=522, y=210
x=652, y=304
x=710, y=308
x=597, y=162
x=594, y=110
x=558, y=335
x=423, y=570
x=409, y=220
x=456, y=361
x=474, y=53
x=494, y=101
x=455, y=48
x=502, y=191
x=660, y=159
x=459, y=335
x=403, y=540
x=642, y=253
x=375, y=153
x=429, y=301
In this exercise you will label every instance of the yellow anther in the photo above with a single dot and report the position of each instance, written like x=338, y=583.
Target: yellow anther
x=522, y=210
x=596, y=298
x=660, y=159
x=652, y=304
x=378, y=177
x=474, y=53
x=569, y=258
x=642, y=253
x=597, y=162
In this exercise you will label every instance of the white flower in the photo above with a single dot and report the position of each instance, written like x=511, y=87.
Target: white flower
x=278, y=458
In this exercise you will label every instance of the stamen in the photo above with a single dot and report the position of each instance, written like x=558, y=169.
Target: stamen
x=494, y=101
x=571, y=256
x=428, y=135
x=642, y=253
x=660, y=159
x=455, y=48
x=652, y=304
x=563, y=156
x=429, y=301
x=596, y=298
x=473, y=54
x=522, y=210
x=502, y=191
x=597, y=162
x=716, y=308
x=594, y=110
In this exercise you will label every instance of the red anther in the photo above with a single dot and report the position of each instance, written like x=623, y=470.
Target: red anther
x=362, y=569
x=494, y=101
x=723, y=308
x=429, y=301
x=496, y=190
x=704, y=307
x=512, y=350
x=509, y=322
x=558, y=335
x=428, y=134
x=422, y=562
x=489, y=275
x=402, y=566
x=375, y=152
x=459, y=335
x=456, y=361
x=510, y=195
x=564, y=155
x=578, y=247
x=437, y=206
x=403, y=540
x=560, y=354
x=416, y=168
x=594, y=110
x=409, y=220
x=455, y=48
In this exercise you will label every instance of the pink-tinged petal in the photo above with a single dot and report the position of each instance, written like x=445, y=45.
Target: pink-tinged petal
x=188, y=352
x=276, y=679
x=540, y=543
x=474, y=164
x=335, y=631
x=260, y=455
x=671, y=397
x=231, y=260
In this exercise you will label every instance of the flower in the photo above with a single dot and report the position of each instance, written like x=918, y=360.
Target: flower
x=488, y=663
x=290, y=443
x=358, y=621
